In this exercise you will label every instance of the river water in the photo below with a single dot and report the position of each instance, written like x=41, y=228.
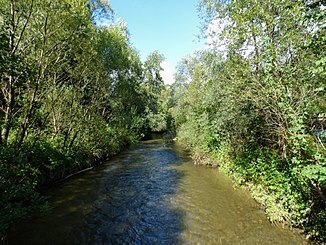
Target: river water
x=151, y=194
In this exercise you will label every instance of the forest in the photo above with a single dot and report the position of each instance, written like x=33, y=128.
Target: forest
x=73, y=93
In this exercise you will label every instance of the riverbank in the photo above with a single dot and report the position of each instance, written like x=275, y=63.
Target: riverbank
x=271, y=188
x=26, y=172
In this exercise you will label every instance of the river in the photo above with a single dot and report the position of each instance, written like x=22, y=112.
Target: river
x=151, y=194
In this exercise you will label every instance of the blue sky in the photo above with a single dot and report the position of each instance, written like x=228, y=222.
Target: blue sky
x=169, y=26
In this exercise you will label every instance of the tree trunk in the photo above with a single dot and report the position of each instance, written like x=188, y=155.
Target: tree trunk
x=28, y=116
x=66, y=137
x=13, y=48
x=8, y=113
x=73, y=139
x=11, y=96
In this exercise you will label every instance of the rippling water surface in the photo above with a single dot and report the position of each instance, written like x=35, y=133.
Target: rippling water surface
x=151, y=194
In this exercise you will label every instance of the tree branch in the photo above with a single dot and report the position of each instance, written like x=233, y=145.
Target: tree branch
x=23, y=30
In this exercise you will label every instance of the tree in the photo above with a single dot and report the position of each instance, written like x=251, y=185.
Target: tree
x=252, y=98
x=70, y=95
x=154, y=86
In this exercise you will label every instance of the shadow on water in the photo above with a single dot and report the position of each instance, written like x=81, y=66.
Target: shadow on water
x=125, y=201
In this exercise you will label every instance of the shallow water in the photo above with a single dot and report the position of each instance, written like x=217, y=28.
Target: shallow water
x=151, y=194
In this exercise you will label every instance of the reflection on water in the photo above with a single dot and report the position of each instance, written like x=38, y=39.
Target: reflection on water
x=151, y=194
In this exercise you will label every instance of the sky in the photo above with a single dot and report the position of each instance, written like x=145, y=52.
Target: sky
x=171, y=27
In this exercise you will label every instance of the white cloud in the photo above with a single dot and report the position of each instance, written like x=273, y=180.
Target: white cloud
x=214, y=34
x=167, y=73
x=218, y=39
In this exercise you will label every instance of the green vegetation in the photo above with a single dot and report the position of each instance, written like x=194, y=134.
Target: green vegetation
x=257, y=105
x=72, y=93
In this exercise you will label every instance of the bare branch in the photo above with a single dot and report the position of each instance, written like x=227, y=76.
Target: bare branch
x=23, y=30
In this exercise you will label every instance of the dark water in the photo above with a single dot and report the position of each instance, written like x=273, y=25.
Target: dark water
x=151, y=194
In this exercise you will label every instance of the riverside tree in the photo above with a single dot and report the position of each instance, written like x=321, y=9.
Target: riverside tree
x=253, y=98
x=71, y=95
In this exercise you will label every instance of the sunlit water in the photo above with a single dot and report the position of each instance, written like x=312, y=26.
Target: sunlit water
x=151, y=194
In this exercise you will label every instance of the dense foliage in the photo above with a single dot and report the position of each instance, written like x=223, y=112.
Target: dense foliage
x=72, y=92
x=255, y=102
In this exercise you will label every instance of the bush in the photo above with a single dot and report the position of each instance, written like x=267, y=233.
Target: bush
x=18, y=179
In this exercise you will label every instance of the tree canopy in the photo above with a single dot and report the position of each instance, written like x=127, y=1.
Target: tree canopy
x=72, y=93
x=255, y=101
